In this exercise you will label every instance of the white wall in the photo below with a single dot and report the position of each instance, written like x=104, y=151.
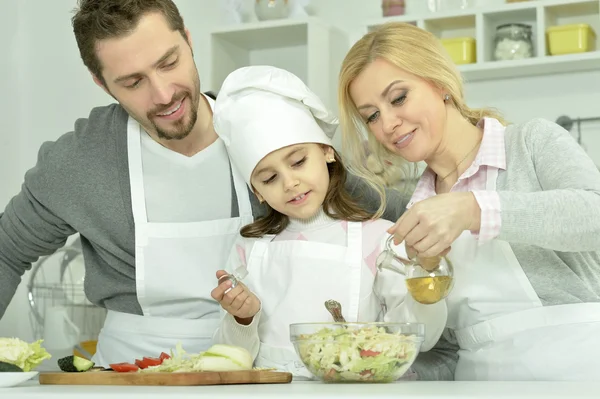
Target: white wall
x=11, y=124
x=574, y=95
x=45, y=87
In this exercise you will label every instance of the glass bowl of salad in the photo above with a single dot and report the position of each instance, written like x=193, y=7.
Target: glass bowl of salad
x=357, y=352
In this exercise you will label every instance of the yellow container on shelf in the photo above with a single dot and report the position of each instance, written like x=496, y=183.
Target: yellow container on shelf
x=462, y=50
x=569, y=39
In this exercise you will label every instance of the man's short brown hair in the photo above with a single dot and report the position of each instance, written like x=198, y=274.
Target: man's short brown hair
x=96, y=20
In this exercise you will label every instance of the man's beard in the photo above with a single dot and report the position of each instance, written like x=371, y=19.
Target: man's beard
x=181, y=129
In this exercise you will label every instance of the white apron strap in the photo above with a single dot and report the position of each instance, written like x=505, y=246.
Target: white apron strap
x=136, y=179
x=138, y=204
x=354, y=260
x=259, y=249
x=511, y=259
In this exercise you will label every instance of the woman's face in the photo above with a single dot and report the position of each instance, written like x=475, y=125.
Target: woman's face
x=405, y=113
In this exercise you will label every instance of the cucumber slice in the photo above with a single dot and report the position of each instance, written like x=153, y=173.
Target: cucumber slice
x=10, y=368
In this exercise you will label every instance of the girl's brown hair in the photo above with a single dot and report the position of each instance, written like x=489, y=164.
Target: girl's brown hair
x=338, y=205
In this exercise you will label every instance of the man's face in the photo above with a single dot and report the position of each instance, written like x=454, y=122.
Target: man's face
x=151, y=72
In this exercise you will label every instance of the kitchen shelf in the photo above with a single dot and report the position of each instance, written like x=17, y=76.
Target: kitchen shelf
x=536, y=66
x=451, y=27
x=492, y=19
x=308, y=48
x=481, y=23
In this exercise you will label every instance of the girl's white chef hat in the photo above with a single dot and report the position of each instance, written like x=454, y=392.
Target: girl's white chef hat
x=261, y=109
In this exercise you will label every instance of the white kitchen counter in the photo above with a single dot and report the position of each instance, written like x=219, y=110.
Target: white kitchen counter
x=315, y=390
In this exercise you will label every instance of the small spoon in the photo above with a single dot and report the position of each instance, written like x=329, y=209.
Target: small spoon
x=238, y=275
x=335, y=308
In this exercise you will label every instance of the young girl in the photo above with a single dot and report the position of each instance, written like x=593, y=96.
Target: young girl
x=315, y=243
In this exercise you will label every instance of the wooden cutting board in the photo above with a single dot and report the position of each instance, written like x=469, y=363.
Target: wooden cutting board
x=167, y=379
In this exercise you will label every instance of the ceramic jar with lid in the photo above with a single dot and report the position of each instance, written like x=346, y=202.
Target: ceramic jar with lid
x=392, y=7
x=513, y=42
x=271, y=9
x=447, y=5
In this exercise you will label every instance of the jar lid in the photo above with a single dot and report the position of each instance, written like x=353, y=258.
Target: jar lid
x=519, y=25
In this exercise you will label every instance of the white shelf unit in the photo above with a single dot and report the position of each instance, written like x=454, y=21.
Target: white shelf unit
x=308, y=48
x=481, y=22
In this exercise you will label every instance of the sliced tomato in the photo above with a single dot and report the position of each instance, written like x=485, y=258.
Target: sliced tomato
x=368, y=353
x=146, y=362
x=151, y=361
x=124, y=367
x=330, y=375
x=164, y=356
x=367, y=373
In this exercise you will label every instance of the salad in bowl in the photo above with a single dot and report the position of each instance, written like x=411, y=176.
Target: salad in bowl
x=357, y=352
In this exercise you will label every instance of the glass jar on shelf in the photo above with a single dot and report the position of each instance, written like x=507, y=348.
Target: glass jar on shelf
x=393, y=7
x=447, y=5
x=513, y=42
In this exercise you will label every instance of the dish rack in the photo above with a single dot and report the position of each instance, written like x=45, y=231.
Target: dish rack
x=58, y=280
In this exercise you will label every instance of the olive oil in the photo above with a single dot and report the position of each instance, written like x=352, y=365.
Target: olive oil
x=428, y=290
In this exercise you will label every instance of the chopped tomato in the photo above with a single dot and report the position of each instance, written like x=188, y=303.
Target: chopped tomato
x=368, y=353
x=152, y=361
x=330, y=375
x=123, y=367
x=143, y=363
x=146, y=362
x=366, y=373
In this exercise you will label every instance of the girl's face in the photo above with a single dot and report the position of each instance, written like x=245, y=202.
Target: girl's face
x=405, y=113
x=294, y=180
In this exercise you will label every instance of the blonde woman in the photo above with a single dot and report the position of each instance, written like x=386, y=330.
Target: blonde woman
x=518, y=204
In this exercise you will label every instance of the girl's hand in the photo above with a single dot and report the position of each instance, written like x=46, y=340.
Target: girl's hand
x=430, y=227
x=239, y=301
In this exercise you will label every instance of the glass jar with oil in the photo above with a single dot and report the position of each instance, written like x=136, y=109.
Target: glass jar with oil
x=428, y=279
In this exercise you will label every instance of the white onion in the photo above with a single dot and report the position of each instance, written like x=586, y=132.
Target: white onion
x=224, y=358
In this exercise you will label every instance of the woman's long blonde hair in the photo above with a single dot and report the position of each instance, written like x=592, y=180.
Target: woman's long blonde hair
x=415, y=51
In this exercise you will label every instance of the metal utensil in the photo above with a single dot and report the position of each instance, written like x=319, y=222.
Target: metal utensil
x=85, y=353
x=237, y=276
x=335, y=308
